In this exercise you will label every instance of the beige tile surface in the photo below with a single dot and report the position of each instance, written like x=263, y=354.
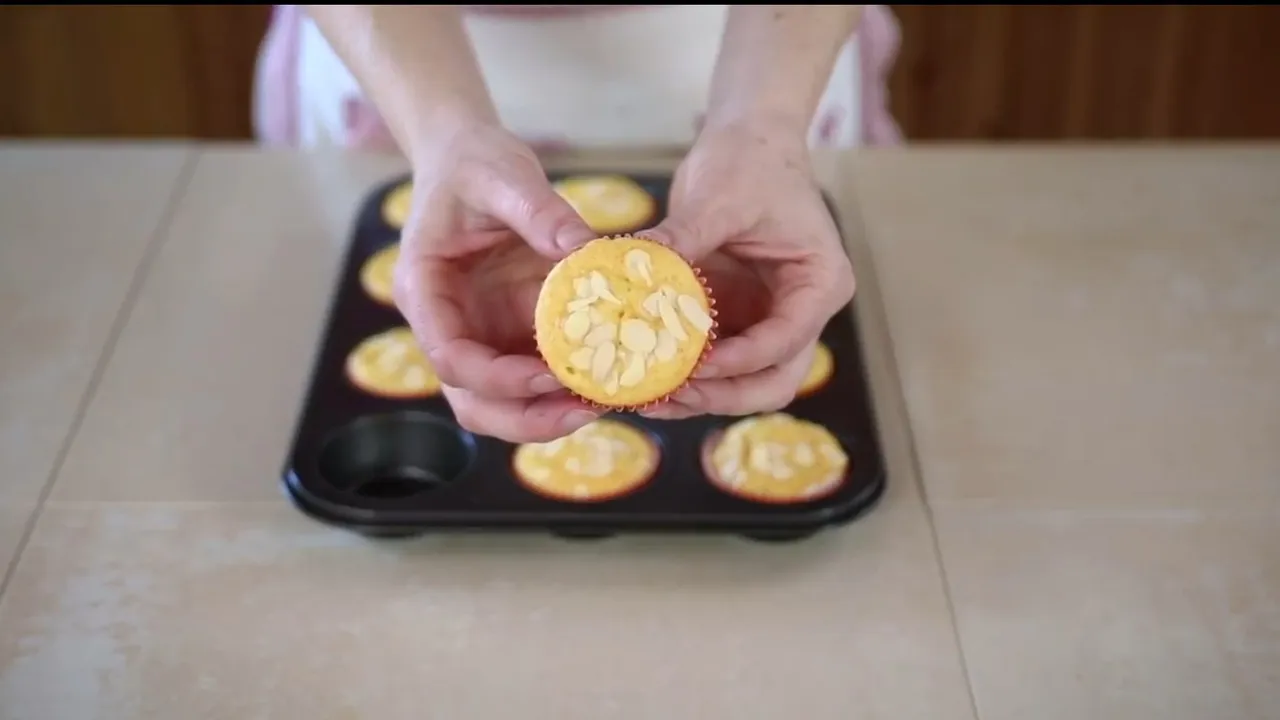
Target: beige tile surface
x=1171, y=615
x=1085, y=327
x=74, y=225
x=13, y=520
x=234, y=611
x=201, y=395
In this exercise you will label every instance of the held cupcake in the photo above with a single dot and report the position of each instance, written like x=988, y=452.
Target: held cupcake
x=376, y=274
x=600, y=461
x=819, y=371
x=390, y=364
x=395, y=208
x=623, y=322
x=776, y=459
x=608, y=204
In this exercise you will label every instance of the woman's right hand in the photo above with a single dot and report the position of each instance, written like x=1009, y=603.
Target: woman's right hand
x=484, y=230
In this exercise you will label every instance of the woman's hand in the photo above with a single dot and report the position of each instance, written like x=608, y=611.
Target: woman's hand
x=483, y=233
x=746, y=208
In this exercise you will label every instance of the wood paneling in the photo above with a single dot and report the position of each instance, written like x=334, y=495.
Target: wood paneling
x=1088, y=71
x=965, y=72
x=128, y=70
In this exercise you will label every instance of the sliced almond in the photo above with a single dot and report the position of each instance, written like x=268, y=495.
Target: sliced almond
x=638, y=262
x=582, y=287
x=538, y=472
x=573, y=465
x=599, y=467
x=634, y=373
x=694, y=313
x=600, y=334
x=577, y=325
x=553, y=448
x=668, y=291
x=600, y=288
x=803, y=454
x=781, y=471
x=415, y=378
x=759, y=459
x=652, y=306
x=666, y=346
x=580, y=304
x=581, y=358
x=602, y=360
x=597, y=317
x=611, y=385
x=727, y=469
x=637, y=336
x=671, y=321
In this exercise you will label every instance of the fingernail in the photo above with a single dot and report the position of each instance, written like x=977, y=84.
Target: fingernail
x=706, y=371
x=544, y=384
x=576, y=419
x=688, y=396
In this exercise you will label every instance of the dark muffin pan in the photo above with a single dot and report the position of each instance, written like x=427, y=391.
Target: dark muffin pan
x=393, y=467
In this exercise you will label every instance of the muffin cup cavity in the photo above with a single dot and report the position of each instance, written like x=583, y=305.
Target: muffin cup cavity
x=395, y=456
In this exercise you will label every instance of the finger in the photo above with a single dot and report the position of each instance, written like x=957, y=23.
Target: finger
x=766, y=391
x=670, y=410
x=437, y=324
x=692, y=240
x=518, y=421
x=805, y=303
x=483, y=371
x=524, y=201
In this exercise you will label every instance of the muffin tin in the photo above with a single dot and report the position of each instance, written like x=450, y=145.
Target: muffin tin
x=391, y=467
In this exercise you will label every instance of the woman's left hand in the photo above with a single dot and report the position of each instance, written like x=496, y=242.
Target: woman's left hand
x=746, y=209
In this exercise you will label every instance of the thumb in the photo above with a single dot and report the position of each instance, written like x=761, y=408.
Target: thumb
x=691, y=235
x=525, y=202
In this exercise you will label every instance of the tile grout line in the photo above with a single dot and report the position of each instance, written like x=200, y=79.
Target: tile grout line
x=913, y=456
x=140, y=274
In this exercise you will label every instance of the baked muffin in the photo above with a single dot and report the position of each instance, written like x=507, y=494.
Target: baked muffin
x=390, y=364
x=775, y=458
x=609, y=204
x=376, y=274
x=623, y=322
x=820, y=371
x=602, y=460
x=395, y=207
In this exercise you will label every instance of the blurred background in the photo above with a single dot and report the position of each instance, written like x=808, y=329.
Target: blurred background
x=966, y=72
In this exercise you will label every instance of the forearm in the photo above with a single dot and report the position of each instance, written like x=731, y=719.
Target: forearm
x=775, y=61
x=415, y=62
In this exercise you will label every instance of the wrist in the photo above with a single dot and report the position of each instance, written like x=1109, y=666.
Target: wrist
x=770, y=125
x=436, y=130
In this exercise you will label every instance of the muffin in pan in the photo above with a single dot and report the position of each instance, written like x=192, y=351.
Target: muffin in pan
x=820, y=371
x=775, y=458
x=390, y=364
x=396, y=205
x=608, y=204
x=602, y=460
x=376, y=274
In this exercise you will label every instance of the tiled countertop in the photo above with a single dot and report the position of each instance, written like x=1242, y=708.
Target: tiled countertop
x=1083, y=521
